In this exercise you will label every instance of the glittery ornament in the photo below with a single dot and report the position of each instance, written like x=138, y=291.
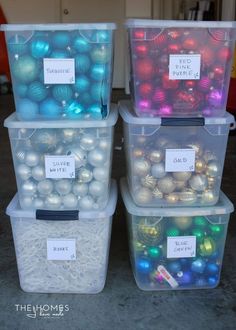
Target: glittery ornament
x=82, y=84
x=204, y=84
x=101, y=54
x=166, y=184
x=183, y=223
x=157, y=193
x=182, y=176
x=198, y=266
x=37, y=91
x=207, y=247
x=40, y=48
x=142, y=196
x=150, y=231
x=149, y=181
x=44, y=140
x=50, y=109
x=27, y=109
x=17, y=45
x=144, y=69
x=62, y=93
x=81, y=45
x=82, y=64
x=25, y=69
x=158, y=170
x=198, y=182
x=61, y=39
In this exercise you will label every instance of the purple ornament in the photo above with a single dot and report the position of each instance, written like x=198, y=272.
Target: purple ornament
x=215, y=97
x=200, y=282
x=204, y=84
x=207, y=112
x=165, y=110
x=185, y=279
x=144, y=105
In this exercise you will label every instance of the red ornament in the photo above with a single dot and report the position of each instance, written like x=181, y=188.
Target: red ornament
x=159, y=96
x=207, y=55
x=224, y=54
x=141, y=49
x=173, y=48
x=190, y=84
x=190, y=43
x=204, y=84
x=161, y=40
x=145, y=69
x=138, y=34
x=218, y=72
x=145, y=90
x=168, y=83
x=184, y=101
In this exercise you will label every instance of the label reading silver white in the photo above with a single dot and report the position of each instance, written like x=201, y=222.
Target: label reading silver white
x=180, y=160
x=59, y=70
x=184, y=66
x=181, y=247
x=59, y=167
x=61, y=249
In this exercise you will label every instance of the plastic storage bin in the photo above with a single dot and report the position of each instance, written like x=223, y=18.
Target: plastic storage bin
x=177, y=248
x=61, y=71
x=62, y=164
x=180, y=68
x=174, y=161
x=62, y=251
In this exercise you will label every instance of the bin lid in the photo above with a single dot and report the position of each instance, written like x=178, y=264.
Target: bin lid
x=224, y=206
x=58, y=27
x=13, y=122
x=14, y=210
x=127, y=113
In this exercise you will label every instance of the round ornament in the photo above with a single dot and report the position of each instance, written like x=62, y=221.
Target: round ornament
x=28, y=188
x=63, y=186
x=17, y=45
x=98, y=72
x=74, y=110
x=150, y=231
x=174, y=267
x=97, y=189
x=188, y=196
x=143, y=265
x=199, y=233
x=45, y=187
x=207, y=247
x=27, y=109
x=198, y=266
x=50, y=109
x=200, y=222
x=70, y=201
x=53, y=201
x=172, y=232
x=200, y=165
x=215, y=98
x=172, y=198
x=213, y=169
x=25, y=69
x=62, y=93
x=85, y=175
x=149, y=181
x=182, y=176
x=32, y=158
x=88, y=142
x=81, y=45
x=40, y=48
x=23, y=171
x=154, y=252
x=21, y=90
x=212, y=268
x=144, y=68
x=216, y=230
x=101, y=173
x=209, y=197
x=81, y=84
x=37, y=91
x=38, y=173
x=101, y=54
x=155, y=156
x=80, y=189
x=143, y=196
x=86, y=203
x=82, y=64
x=158, y=170
x=166, y=185
x=198, y=182
x=145, y=90
x=79, y=154
x=59, y=53
x=61, y=39
x=68, y=135
x=183, y=223
x=97, y=157
x=38, y=203
x=44, y=140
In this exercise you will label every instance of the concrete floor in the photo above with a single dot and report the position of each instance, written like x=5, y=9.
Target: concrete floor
x=121, y=305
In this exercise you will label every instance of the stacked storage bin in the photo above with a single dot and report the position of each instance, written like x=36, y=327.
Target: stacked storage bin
x=176, y=133
x=61, y=139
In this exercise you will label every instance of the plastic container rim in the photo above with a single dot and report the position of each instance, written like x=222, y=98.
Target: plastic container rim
x=58, y=27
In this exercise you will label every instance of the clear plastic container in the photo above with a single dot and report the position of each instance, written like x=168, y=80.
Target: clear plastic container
x=180, y=68
x=177, y=248
x=62, y=164
x=174, y=161
x=62, y=251
x=61, y=71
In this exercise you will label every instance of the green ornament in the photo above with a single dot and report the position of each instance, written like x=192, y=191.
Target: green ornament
x=198, y=233
x=172, y=231
x=138, y=246
x=25, y=69
x=216, y=230
x=154, y=252
x=200, y=221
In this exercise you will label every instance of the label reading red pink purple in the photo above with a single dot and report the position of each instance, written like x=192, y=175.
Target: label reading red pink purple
x=184, y=66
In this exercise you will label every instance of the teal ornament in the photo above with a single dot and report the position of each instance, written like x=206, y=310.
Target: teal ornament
x=98, y=72
x=74, y=110
x=95, y=111
x=40, y=48
x=103, y=36
x=81, y=45
x=44, y=140
x=61, y=39
x=25, y=69
x=198, y=265
x=37, y=91
x=50, y=109
x=99, y=92
x=17, y=45
x=27, y=110
x=81, y=84
x=62, y=93
x=101, y=55
x=82, y=63
x=20, y=90
x=57, y=53
x=85, y=98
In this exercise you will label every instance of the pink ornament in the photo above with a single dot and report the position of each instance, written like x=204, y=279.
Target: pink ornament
x=215, y=98
x=207, y=112
x=204, y=84
x=159, y=277
x=165, y=110
x=145, y=89
x=159, y=96
x=144, y=105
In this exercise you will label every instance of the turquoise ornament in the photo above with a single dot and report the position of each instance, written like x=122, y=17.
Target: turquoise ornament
x=17, y=45
x=74, y=110
x=27, y=110
x=103, y=36
x=198, y=265
x=37, y=91
x=81, y=84
x=57, y=53
x=95, y=111
x=62, y=93
x=85, y=98
x=98, y=72
x=101, y=55
x=50, y=109
x=61, y=39
x=40, y=48
x=21, y=90
x=81, y=45
x=82, y=63
x=99, y=92
x=25, y=69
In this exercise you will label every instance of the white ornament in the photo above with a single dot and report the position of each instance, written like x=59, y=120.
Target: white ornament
x=26, y=201
x=38, y=173
x=88, y=142
x=86, y=203
x=32, y=158
x=53, y=202
x=28, y=188
x=38, y=203
x=68, y=135
x=85, y=175
x=63, y=186
x=70, y=201
x=23, y=172
x=158, y=170
x=97, y=157
x=104, y=144
x=80, y=189
x=45, y=187
x=97, y=188
x=79, y=154
x=101, y=173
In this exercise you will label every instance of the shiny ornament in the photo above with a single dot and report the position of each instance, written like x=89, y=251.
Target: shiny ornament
x=145, y=69
x=157, y=193
x=23, y=172
x=212, y=268
x=172, y=232
x=88, y=142
x=138, y=152
x=150, y=231
x=68, y=135
x=200, y=165
x=207, y=247
x=198, y=233
x=172, y=198
x=144, y=105
x=209, y=197
x=187, y=196
x=74, y=110
x=138, y=33
x=182, y=176
x=97, y=157
x=85, y=175
x=155, y=156
x=53, y=202
x=218, y=72
x=79, y=154
x=37, y=91
x=25, y=69
x=215, y=98
x=149, y=181
x=141, y=140
x=70, y=201
x=40, y=48
x=145, y=90
x=28, y=188
x=97, y=189
x=213, y=281
x=174, y=267
x=183, y=223
x=63, y=186
x=44, y=140
x=86, y=203
x=27, y=109
x=143, y=196
x=162, y=141
x=158, y=170
x=211, y=182
x=50, y=109
x=213, y=169
x=81, y=45
x=61, y=39
x=154, y=252
x=143, y=265
x=200, y=221
x=141, y=167
x=32, y=158
x=190, y=43
x=17, y=45
x=173, y=48
x=26, y=202
x=165, y=110
x=82, y=64
x=207, y=55
x=166, y=184
x=80, y=189
x=101, y=54
x=169, y=83
x=198, y=182
x=198, y=266
x=159, y=95
x=98, y=72
x=45, y=187
x=101, y=173
x=96, y=111
x=185, y=279
x=141, y=49
x=216, y=230
x=38, y=173
x=62, y=93
x=224, y=54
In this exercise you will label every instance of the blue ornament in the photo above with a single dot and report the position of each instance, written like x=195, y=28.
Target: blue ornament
x=201, y=282
x=184, y=262
x=20, y=90
x=81, y=84
x=61, y=39
x=37, y=91
x=198, y=265
x=103, y=36
x=74, y=110
x=50, y=109
x=62, y=93
x=213, y=281
x=215, y=255
x=101, y=54
x=174, y=267
x=95, y=111
x=99, y=93
x=57, y=53
x=82, y=63
x=212, y=268
x=27, y=110
x=40, y=48
x=17, y=45
x=85, y=98
x=98, y=72
x=143, y=265
x=25, y=69
x=185, y=279
x=81, y=45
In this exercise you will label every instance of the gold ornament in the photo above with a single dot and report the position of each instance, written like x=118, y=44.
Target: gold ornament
x=142, y=196
x=179, y=184
x=197, y=146
x=188, y=196
x=166, y=185
x=149, y=181
x=157, y=193
x=207, y=247
x=183, y=223
x=141, y=167
x=150, y=231
x=198, y=182
x=182, y=176
x=172, y=198
x=141, y=139
x=138, y=152
x=155, y=156
x=211, y=181
x=200, y=165
x=213, y=169
x=209, y=197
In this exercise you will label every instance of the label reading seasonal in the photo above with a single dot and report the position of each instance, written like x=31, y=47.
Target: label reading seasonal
x=60, y=167
x=181, y=247
x=61, y=249
x=59, y=71
x=180, y=160
x=184, y=66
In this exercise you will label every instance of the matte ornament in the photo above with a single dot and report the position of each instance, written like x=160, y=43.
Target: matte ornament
x=27, y=109
x=185, y=279
x=23, y=171
x=182, y=176
x=25, y=69
x=98, y=72
x=40, y=48
x=82, y=84
x=58, y=53
x=198, y=266
x=145, y=90
x=45, y=187
x=97, y=157
x=50, y=109
x=53, y=202
x=158, y=170
x=213, y=281
x=70, y=201
x=61, y=39
x=212, y=268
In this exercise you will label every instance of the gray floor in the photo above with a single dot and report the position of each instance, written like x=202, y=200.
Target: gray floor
x=121, y=305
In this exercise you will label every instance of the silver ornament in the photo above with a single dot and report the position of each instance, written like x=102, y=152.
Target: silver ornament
x=166, y=185
x=85, y=175
x=68, y=135
x=157, y=193
x=86, y=203
x=188, y=196
x=53, y=202
x=88, y=142
x=32, y=158
x=45, y=187
x=198, y=182
x=141, y=167
x=38, y=203
x=104, y=144
x=20, y=155
x=209, y=155
x=101, y=173
x=149, y=181
x=97, y=188
x=44, y=140
x=80, y=189
x=179, y=184
x=213, y=169
x=158, y=170
x=70, y=201
x=38, y=173
x=209, y=197
x=63, y=186
x=172, y=198
x=59, y=150
x=181, y=176
x=23, y=172
x=79, y=154
x=97, y=157
x=155, y=156
x=26, y=201
x=162, y=141
x=143, y=196
x=28, y=187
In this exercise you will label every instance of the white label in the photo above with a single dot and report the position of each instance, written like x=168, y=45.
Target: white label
x=61, y=249
x=59, y=71
x=180, y=160
x=167, y=276
x=60, y=167
x=181, y=247
x=184, y=67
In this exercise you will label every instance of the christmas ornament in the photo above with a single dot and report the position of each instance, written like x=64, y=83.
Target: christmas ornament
x=213, y=169
x=199, y=233
x=209, y=197
x=79, y=154
x=216, y=230
x=97, y=188
x=45, y=187
x=38, y=173
x=172, y=232
x=159, y=96
x=185, y=279
x=81, y=45
x=53, y=201
x=100, y=55
x=44, y=140
x=25, y=69
x=58, y=53
x=85, y=175
x=149, y=181
x=61, y=39
x=73, y=110
x=212, y=268
x=68, y=135
x=141, y=167
x=174, y=267
x=155, y=156
x=27, y=110
x=198, y=265
x=145, y=90
x=38, y=204
x=82, y=64
x=40, y=48
x=50, y=109
x=169, y=83
x=215, y=98
x=200, y=222
x=172, y=198
x=153, y=252
x=150, y=231
x=88, y=142
x=183, y=223
x=70, y=201
x=37, y=91
x=200, y=165
x=166, y=184
x=23, y=172
x=80, y=189
x=143, y=265
x=97, y=157
x=32, y=158
x=212, y=281
x=143, y=196
x=182, y=176
x=158, y=170
x=157, y=193
x=98, y=72
x=144, y=105
x=86, y=203
x=62, y=93
x=63, y=186
x=144, y=69
x=198, y=182
x=188, y=196
x=28, y=188
x=101, y=173
x=21, y=90
x=207, y=247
